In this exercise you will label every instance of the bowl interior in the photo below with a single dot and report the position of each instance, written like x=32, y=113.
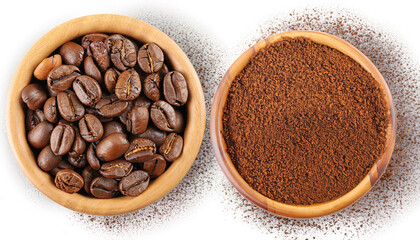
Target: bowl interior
x=298, y=211
x=140, y=31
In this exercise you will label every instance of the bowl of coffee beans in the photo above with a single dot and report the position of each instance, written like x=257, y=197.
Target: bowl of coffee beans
x=303, y=124
x=106, y=114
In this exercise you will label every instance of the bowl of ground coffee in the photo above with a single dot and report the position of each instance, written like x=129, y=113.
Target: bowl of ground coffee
x=106, y=114
x=303, y=124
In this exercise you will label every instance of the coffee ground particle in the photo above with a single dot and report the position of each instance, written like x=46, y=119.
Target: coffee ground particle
x=304, y=123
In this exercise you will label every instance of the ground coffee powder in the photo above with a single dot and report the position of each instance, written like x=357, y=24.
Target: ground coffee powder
x=303, y=122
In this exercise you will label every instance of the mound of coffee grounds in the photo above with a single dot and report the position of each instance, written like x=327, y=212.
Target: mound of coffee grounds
x=304, y=123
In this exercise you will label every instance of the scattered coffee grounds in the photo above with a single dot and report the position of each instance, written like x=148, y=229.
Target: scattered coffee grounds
x=304, y=123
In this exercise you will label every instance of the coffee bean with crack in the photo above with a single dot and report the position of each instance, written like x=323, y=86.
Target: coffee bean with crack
x=61, y=139
x=78, y=161
x=128, y=86
x=92, y=37
x=61, y=78
x=175, y=88
x=91, y=128
x=69, y=106
x=163, y=116
x=140, y=150
x=172, y=147
x=137, y=120
x=34, y=95
x=110, y=79
x=110, y=106
x=88, y=175
x=122, y=50
x=33, y=118
x=79, y=145
x=92, y=70
x=155, y=166
x=44, y=68
x=151, y=86
x=134, y=184
x=150, y=58
x=50, y=110
x=87, y=90
x=102, y=187
x=68, y=181
x=91, y=157
x=116, y=169
x=100, y=54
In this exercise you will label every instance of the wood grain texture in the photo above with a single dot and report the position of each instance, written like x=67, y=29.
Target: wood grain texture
x=142, y=32
x=225, y=163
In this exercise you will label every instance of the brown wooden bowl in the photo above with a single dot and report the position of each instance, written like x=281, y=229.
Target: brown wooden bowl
x=287, y=210
x=142, y=32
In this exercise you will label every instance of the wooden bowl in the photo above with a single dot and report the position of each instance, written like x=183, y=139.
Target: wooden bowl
x=287, y=210
x=142, y=32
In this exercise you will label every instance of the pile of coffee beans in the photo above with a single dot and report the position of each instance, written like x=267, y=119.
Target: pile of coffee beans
x=104, y=116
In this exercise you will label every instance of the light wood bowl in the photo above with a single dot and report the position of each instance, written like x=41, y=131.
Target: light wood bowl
x=137, y=30
x=287, y=210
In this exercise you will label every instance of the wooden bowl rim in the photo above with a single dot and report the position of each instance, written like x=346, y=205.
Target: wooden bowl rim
x=287, y=210
x=144, y=32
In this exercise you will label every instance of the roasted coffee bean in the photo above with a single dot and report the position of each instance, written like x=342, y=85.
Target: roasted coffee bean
x=87, y=90
x=47, y=160
x=179, y=122
x=152, y=133
x=110, y=79
x=137, y=120
x=111, y=106
x=134, y=184
x=116, y=169
x=61, y=78
x=69, y=106
x=62, y=165
x=91, y=157
x=93, y=37
x=72, y=53
x=91, y=128
x=123, y=51
x=175, y=89
x=140, y=150
x=33, y=118
x=151, y=87
x=143, y=101
x=163, y=116
x=78, y=161
x=79, y=145
x=150, y=58
x=62, y=138
x=69, y=181
x=44, y=68
x=100, y=54
x=123, y=117
x=113, y=127
x=39, y=136
x=34, y=95
x=163, y=71
x=88, y=175
x=50, y=110
x=172, y=147
x=155, y=166
x=95, y=112
x=92, y=70
x=112, y=147
x=51, y=92
x=128, y=86
x=102, y=187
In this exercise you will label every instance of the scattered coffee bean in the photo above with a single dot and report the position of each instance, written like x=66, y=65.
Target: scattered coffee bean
x=134, y=184
x=69, y=181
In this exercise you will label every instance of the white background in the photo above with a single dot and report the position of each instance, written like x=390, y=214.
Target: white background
x=26, y=213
